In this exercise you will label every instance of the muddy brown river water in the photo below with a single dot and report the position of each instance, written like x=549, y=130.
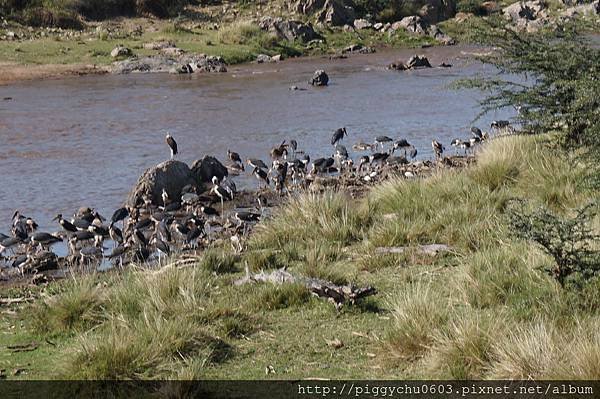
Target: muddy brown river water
x=84, y=141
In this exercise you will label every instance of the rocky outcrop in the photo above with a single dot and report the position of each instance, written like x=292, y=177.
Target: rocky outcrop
x=416, y=61
x=173, y=63
x=289, y=30
x=336, y=13
x=524, y=10
x=418, y=26
x=170, y=175
x=307, y=7
x=362, y=24
x=121, y=51
x=413, y=24
x=204, y=169
x=434, y=11
x=320, y=78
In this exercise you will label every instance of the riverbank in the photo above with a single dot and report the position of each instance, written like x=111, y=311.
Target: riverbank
x=480, y=310
x=247, y=32
x=34, y=53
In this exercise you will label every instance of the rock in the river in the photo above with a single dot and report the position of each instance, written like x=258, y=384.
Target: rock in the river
x=171, y=175
x=416, y=61
x=204, y=169
x=289, y=30
x=362, y=24
x=320, y=78
x=121, y=51
x=336, y=13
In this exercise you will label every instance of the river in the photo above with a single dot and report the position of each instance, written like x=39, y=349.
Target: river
x=72, y=142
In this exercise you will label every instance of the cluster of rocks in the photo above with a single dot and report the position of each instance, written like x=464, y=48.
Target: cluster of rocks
x=289, y=29
x=170, y=61
x=174, y=176
x=533, y=15
x=416, y=61
x=339, y=13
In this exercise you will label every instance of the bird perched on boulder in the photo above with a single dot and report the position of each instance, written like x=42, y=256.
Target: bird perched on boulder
x=172, y=145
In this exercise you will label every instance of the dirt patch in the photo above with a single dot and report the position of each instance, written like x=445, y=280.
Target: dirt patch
x=10, y=72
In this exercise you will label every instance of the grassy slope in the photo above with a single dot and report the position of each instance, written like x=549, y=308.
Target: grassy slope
x=481, y=311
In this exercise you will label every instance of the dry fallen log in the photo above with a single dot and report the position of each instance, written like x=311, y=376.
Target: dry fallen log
x=339, y=294
x=430, y=249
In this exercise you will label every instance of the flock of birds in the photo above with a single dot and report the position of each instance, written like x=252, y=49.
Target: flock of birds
x=190, y=221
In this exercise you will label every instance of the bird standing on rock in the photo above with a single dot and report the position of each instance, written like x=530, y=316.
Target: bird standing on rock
x=172, y=145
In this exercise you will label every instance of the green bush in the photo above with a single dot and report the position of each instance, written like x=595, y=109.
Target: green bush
x=570, y=241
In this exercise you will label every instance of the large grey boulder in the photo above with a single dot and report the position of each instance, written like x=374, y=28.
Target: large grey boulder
x=289, y=30
x=336, y=13
x=204, y=169
x=171, y=175
x=320, y=78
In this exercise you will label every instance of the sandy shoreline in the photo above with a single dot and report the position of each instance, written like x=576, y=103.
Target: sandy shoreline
x=11, y=72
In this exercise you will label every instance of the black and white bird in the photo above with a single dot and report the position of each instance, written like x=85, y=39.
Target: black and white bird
x=404, y=145
x=257, y=163
x=457, y=143
x=244, y=216
x=501, y=124
x=162, y=247
x=294, y=147
x=220, y=192
x=261, y=175
x=378, y=157
x=338, y=135
x=235, y=157
x=381, y=140
x=322, y=165
x=341, y=151
x=119, y=215
x=209, y=211
x=172, y=145
x=438, y=148
x=44, y=239
x=476, y=132
x=65, y=224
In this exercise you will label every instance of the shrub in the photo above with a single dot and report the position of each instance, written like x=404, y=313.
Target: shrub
x=570, y=241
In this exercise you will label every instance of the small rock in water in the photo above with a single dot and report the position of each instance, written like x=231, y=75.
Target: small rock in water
x=320, y=78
